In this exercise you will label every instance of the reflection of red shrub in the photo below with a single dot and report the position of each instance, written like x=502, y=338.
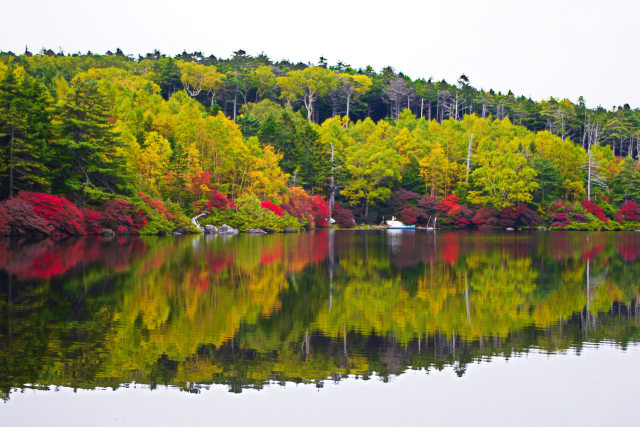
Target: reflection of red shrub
x=123, y=217
x=592, y=252
x=629, y=211
x=451, y=248
x=269, y=205
x=593, y=208
x=629, y=248
x=343, y=217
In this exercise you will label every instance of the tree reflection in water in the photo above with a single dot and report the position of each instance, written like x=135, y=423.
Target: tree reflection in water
x=250, y=310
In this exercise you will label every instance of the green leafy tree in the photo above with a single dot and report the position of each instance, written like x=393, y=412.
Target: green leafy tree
x=502, y=178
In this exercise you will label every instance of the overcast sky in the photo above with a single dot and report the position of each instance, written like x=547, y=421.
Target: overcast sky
x=540, y=48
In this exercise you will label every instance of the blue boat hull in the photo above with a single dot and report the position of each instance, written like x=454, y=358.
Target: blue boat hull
x=406, y=227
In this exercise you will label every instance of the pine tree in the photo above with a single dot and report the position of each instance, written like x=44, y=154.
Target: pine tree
x=89, y=160
x=24, y=128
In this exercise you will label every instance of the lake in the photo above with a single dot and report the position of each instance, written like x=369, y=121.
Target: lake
x=342, y=327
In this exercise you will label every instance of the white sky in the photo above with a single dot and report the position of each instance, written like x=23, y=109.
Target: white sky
x=597, y=388
x=561, y=48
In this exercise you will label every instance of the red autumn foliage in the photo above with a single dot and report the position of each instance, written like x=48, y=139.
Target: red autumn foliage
x=320, y=209
x=429, y=204
x=268, y=204
x=593, y=208
x=579, y=217
x=299, y=206
x=517, y=216
x=486, y=218
x=5, y=229
x=411, y=215
x=156, y=205
x=92, y=220
x=560, y=219
x=215, y=200
x=454, y=213
x=22, y=220
x=410, y=208
x=629, y=211
x=200, y=185
x=343, y=217
x=63, y=216
x=123, y=217
x=402, y=199
x=207, y=198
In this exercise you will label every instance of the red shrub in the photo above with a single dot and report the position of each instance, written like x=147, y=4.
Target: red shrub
x=629, y=211
x=411, y=215
x=578, y=217
x=429, y=204
x=156, y=205
x=560, y=219
x=402, y=199
x=518, y=215
x=320, y=209
x=5, y=229
x=92, y=220
x=593, y=208
x=64, y=217
x=343, y=217
x=268, y=204
x=455, y=214
x=486, y=218
x=299, y=206
x=123, y=217
x=22, y=219
x=215, y=200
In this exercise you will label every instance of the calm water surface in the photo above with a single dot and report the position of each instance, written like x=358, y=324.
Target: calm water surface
x=369, y=318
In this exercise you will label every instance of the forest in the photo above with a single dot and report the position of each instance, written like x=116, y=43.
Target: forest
x=140, y=145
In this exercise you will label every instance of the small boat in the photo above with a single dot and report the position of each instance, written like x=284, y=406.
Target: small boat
x=394, y=224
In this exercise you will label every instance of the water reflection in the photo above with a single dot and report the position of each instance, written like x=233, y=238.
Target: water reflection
x=250, y=310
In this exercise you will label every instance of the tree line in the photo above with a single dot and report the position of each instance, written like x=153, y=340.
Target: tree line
x=192, y=129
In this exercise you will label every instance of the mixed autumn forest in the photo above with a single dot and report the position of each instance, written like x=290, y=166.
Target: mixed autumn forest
x=140, y=145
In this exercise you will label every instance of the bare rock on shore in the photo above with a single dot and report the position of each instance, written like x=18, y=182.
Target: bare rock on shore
x=107, y=233
x=227, y=230
x=210, y=229
x=256, y=231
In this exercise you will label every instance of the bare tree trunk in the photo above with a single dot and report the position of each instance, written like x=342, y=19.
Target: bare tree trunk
x=589, y=176
x=235, y=104
x=11, y=184
x=469, y=156
x=421, y=107
x=332, y=185
x=348, y=103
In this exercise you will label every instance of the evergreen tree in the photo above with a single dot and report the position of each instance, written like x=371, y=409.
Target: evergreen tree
x=89, y=160
x=24, y=128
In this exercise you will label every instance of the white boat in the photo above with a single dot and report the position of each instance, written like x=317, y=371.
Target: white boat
x=394, y=224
